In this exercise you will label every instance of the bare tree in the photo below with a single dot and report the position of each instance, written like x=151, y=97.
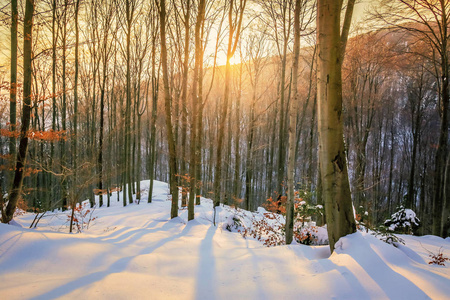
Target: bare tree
x=235, y=27
x=16, y=189
x=168, y=110
x=333, y=162
x=13, y=84
x=429, y=20
x=293, y=110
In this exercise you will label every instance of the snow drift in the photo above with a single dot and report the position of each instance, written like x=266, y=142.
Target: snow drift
x=137, y=252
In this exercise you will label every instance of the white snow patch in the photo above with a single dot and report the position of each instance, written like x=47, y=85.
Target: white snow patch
x=138, y=252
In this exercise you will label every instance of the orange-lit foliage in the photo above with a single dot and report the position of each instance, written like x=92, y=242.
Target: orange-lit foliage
x=98, y=192
x=6, y=156
x=48, y=135
x=38, y=135
x=236, y=202
x=27, y=171
x=276, y=206
x=31, y=171
x=21, y=208
x=115, y=189
x=5, y=85
x=185, y=179
x=186, y=185
x=6, y=168
x=306, y=235
x=8, y=133
x=82, y=216
x=269, y=234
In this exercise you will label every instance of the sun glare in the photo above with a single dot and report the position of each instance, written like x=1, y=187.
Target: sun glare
x=222, y=59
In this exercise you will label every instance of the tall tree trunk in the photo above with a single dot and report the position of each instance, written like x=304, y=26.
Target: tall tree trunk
x=221, y=133
x=333, y=163
x=168, y=111
x=249, y=159
x=195, y=98
x=445, y=219
x=443, y=148
x=199, y=135
x=75, y=98
x=54, y=44
x=293, y=111
x=138, y=139
x=311, y=169
x=272, y=154
x=129, y=19
x=237, y=140
x=416, y=118
x=391, y=166
x=64, y=109
x=155, y=87
x=282, y=129
x=233, y=38
x=100, y=138
x=184, y=92
x=13, y=86
x=227, y=179
x=16, y=189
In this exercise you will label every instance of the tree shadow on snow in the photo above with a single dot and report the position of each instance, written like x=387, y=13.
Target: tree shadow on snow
x=392, y=284
x=206, y=279
x=118, y=266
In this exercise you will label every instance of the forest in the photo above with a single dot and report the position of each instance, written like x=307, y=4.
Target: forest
x=244, y=102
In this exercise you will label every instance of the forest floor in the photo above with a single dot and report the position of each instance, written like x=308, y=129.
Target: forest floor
x=138, y=252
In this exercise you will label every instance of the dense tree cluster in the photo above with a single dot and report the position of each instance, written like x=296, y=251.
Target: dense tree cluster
x=138, y=90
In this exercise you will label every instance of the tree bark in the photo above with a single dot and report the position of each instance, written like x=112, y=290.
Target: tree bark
x=195, y=98
x=75, y=97
x=168, y=111
x=333, y=162
x=184, y=92
x=13, y=86
x=293, y=110
x=442, y=151
x=233, y=38
x=16, y=189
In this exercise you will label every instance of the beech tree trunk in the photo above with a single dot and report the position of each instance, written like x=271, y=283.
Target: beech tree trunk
x=199, y=140
x=16, y=189
x=333, y=162
x=64, y=109
x=13, y=86
x=168, y=110
x=195, y=104
x=441, y=188
x=75, y=96
x=184, y=92
x=233, y=38
x=293, y=110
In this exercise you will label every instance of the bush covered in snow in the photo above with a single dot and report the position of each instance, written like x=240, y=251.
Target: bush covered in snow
x=268, y=227
x=305, y=230
x=404, y=220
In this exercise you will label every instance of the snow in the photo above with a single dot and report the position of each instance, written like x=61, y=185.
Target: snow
x=137, y=252
x=404, y=218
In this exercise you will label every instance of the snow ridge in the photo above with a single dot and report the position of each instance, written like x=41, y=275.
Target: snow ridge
x=137, y=252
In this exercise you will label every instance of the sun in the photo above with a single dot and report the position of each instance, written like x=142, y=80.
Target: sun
x=235, y=60
x=222, y=59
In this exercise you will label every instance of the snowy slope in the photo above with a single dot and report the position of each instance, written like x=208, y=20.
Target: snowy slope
x=137, y=252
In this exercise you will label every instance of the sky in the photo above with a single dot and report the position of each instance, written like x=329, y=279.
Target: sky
x=360, y=8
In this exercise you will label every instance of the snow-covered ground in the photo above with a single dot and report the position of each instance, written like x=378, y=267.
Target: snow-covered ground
x=138, y=252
